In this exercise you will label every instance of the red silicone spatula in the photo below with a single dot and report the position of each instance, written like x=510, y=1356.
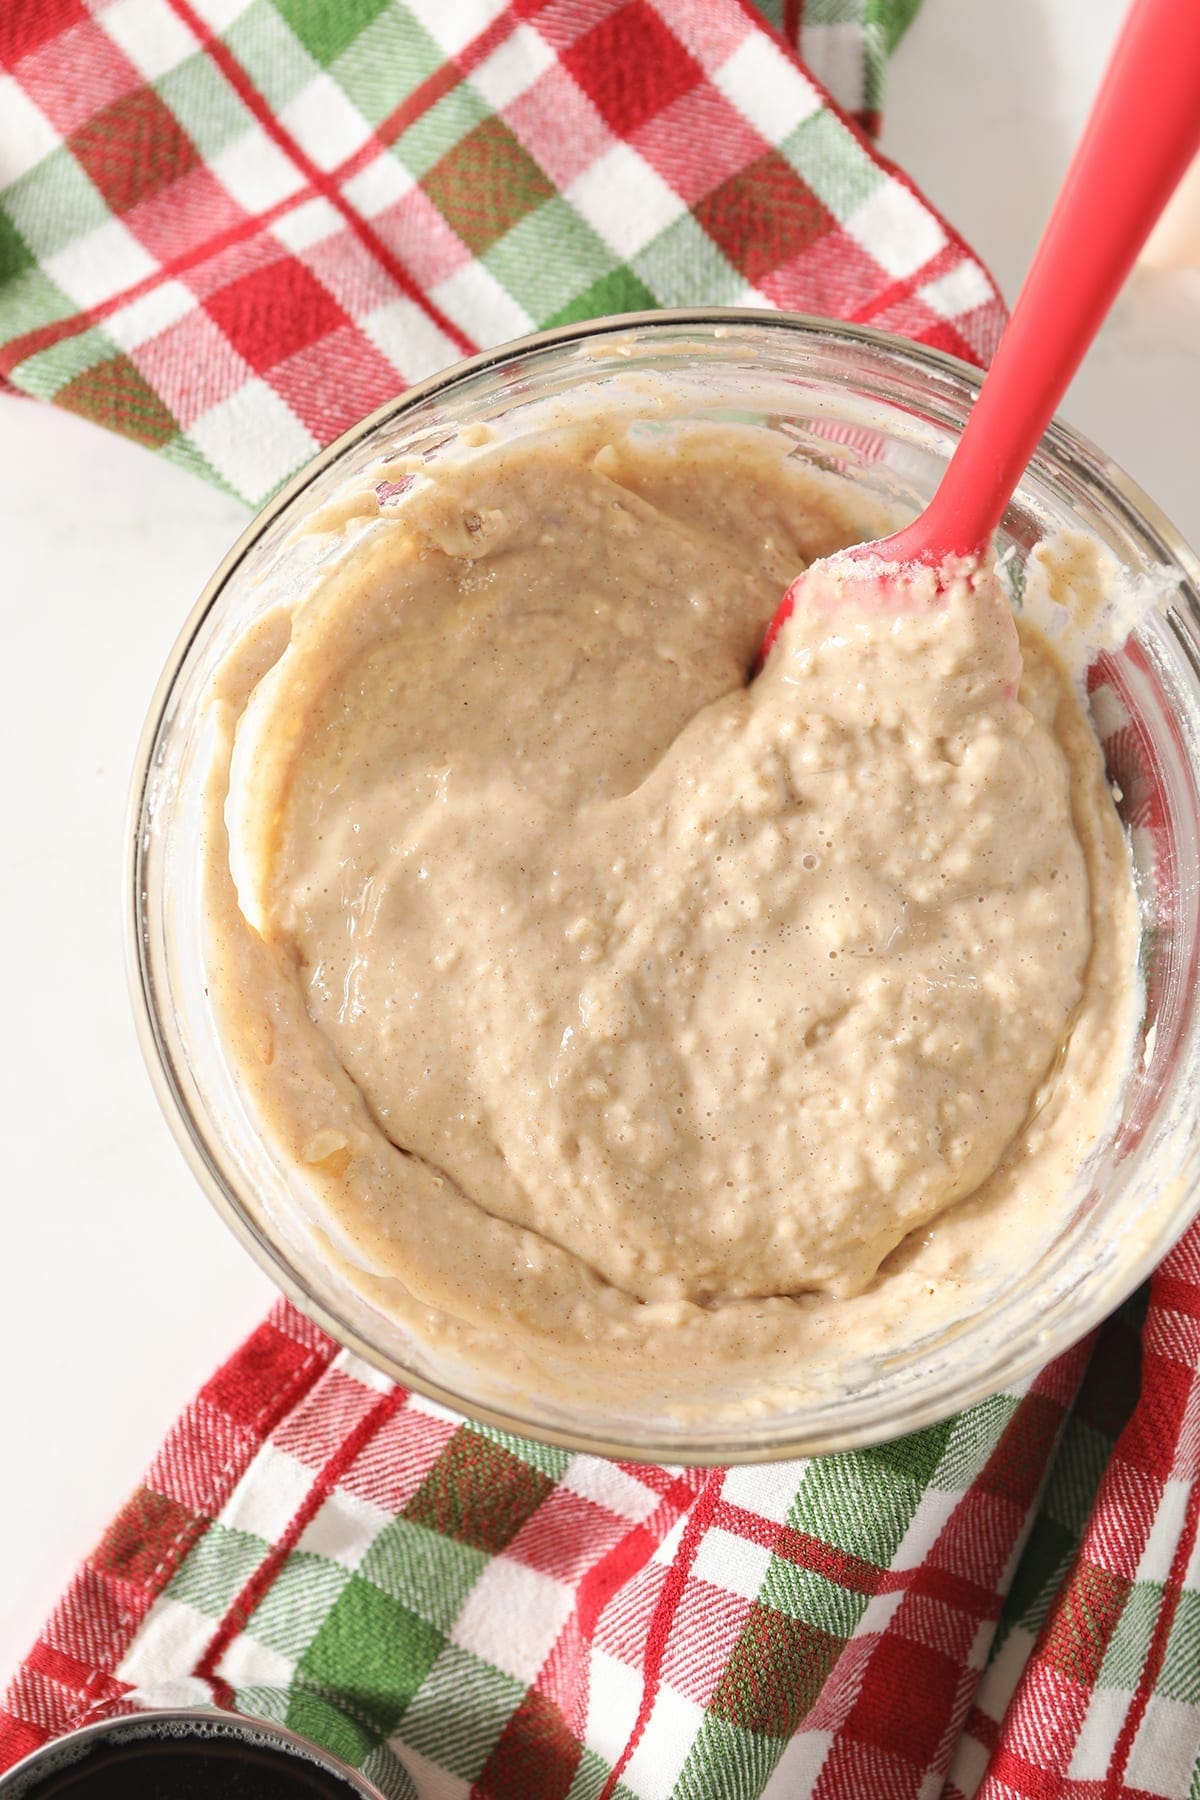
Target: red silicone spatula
x=1143, y=131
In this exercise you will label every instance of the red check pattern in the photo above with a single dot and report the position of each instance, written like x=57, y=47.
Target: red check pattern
x=1106, y=1699
x=613, y=1629
x=227, y=228
x=231, y=227
x=69, y=1678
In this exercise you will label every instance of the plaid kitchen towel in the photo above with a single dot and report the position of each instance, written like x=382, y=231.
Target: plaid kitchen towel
x=231, y=227
x=469, y=1616
x=228, y=229
x=846, y=45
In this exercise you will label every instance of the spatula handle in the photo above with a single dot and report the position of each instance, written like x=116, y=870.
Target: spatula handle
x=1143, y=132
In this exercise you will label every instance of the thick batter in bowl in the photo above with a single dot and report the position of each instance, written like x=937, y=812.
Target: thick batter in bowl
x=482, y=948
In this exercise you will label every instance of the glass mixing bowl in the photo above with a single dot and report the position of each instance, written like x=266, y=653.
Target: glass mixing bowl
x=883, y=414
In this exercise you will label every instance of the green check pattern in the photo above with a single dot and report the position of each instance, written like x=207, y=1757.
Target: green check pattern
x=257, y=220
x=847, y=45
x=457, y=1612
x=425, y=1621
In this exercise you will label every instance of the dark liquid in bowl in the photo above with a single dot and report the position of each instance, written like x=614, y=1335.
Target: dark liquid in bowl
x=207, y=1768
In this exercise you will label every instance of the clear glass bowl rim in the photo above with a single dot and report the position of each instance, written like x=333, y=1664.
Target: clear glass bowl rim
x=1061, y=446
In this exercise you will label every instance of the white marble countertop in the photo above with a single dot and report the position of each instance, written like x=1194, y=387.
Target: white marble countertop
x=121, y=1288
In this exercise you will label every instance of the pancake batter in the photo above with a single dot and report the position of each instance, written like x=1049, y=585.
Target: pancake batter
x=628, y=1022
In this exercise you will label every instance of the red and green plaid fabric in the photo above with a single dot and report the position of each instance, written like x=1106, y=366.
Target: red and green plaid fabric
x=463, y=1614
x=227, y=228
x=231, y=227
x=846, y=45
